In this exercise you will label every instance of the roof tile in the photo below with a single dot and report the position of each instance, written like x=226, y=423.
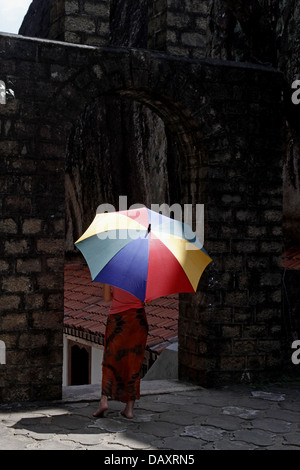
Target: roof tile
x=291, y=258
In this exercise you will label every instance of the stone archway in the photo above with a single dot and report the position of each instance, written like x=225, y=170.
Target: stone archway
x=118, y=147
x=227, y=138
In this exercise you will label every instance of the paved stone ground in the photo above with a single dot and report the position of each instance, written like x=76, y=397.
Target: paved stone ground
x=177, y=418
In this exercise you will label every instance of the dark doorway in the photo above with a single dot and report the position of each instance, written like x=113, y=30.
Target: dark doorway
x=80, y=365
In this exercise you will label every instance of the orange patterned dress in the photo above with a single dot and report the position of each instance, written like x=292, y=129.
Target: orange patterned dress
x=124, y=349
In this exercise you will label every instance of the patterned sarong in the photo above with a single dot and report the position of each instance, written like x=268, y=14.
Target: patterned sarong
x=124, y=349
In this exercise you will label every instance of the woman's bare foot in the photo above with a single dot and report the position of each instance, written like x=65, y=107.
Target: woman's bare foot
x=128, y=410
x=99, y=413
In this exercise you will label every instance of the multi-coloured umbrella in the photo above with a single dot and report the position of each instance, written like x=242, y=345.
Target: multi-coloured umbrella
x=144, y=253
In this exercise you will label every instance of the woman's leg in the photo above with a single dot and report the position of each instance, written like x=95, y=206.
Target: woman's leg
x=128, y=410
x=103, y=406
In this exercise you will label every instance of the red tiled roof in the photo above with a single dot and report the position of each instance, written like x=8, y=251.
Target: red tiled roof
x=291, y=258
x=85, y=312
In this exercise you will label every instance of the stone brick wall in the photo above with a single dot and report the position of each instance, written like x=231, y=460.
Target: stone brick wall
x=236, y=332
x=32, y=232
x=178, y=27
x=229, y=143
x=82, y=22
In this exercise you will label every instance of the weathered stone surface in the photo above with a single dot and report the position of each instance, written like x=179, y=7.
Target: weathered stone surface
x=71, y=425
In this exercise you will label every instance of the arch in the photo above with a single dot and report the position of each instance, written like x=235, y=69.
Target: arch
x=176, y=106
x=162, y=87
x=179, y=109
x=118, y=72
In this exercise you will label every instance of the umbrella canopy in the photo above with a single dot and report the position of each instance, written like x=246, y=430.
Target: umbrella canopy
x=143, y=252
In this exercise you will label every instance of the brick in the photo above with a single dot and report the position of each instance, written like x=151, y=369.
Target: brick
x=276, y=296
x=75, y=24
x=31, y=226
x=16, y=393
x=32, y=340
x=17, y=357
x=273, y=215
x=59, y=225
x=230, y=198
x=243, y=281
x=34, y=301
x=8, y=148
x=268, y=346
x=55, y=301
x=244, y=346
x=17, y=204
x=244, y=246
x=233, y=363
x=14, y=321
x=231, y=331
x=8, y=226
x=9, y=302
x=193, y=40
x=260, y=262
x=201, y=24
x=249, y=216
x=55, y=264
x=197, y=6
x=47, y=320
x=97, y=8
x=257, y=297
x=233, y=262
x=267, y=314
x=255, y=331
x=271, y=247
x=236, y=298
x=28, y=265
x=103, y=29
x=177, y=20
x=16, y=247
x=24, y=166
x=276, y=231
x=50, y=281
x=217, y=246
x=71, y=6
x=256, y=231
x=4, y=266
x=16, y=284
x=271, y=279
x=51, y=246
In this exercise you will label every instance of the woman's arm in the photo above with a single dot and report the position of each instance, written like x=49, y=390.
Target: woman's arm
x=106, y=292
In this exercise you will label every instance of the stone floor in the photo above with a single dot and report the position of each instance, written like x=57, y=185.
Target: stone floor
x=169, y=416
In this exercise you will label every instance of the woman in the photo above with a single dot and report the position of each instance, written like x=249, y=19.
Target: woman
x=124, y=348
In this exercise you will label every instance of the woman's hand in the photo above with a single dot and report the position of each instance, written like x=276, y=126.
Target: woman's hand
x=107, y=292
